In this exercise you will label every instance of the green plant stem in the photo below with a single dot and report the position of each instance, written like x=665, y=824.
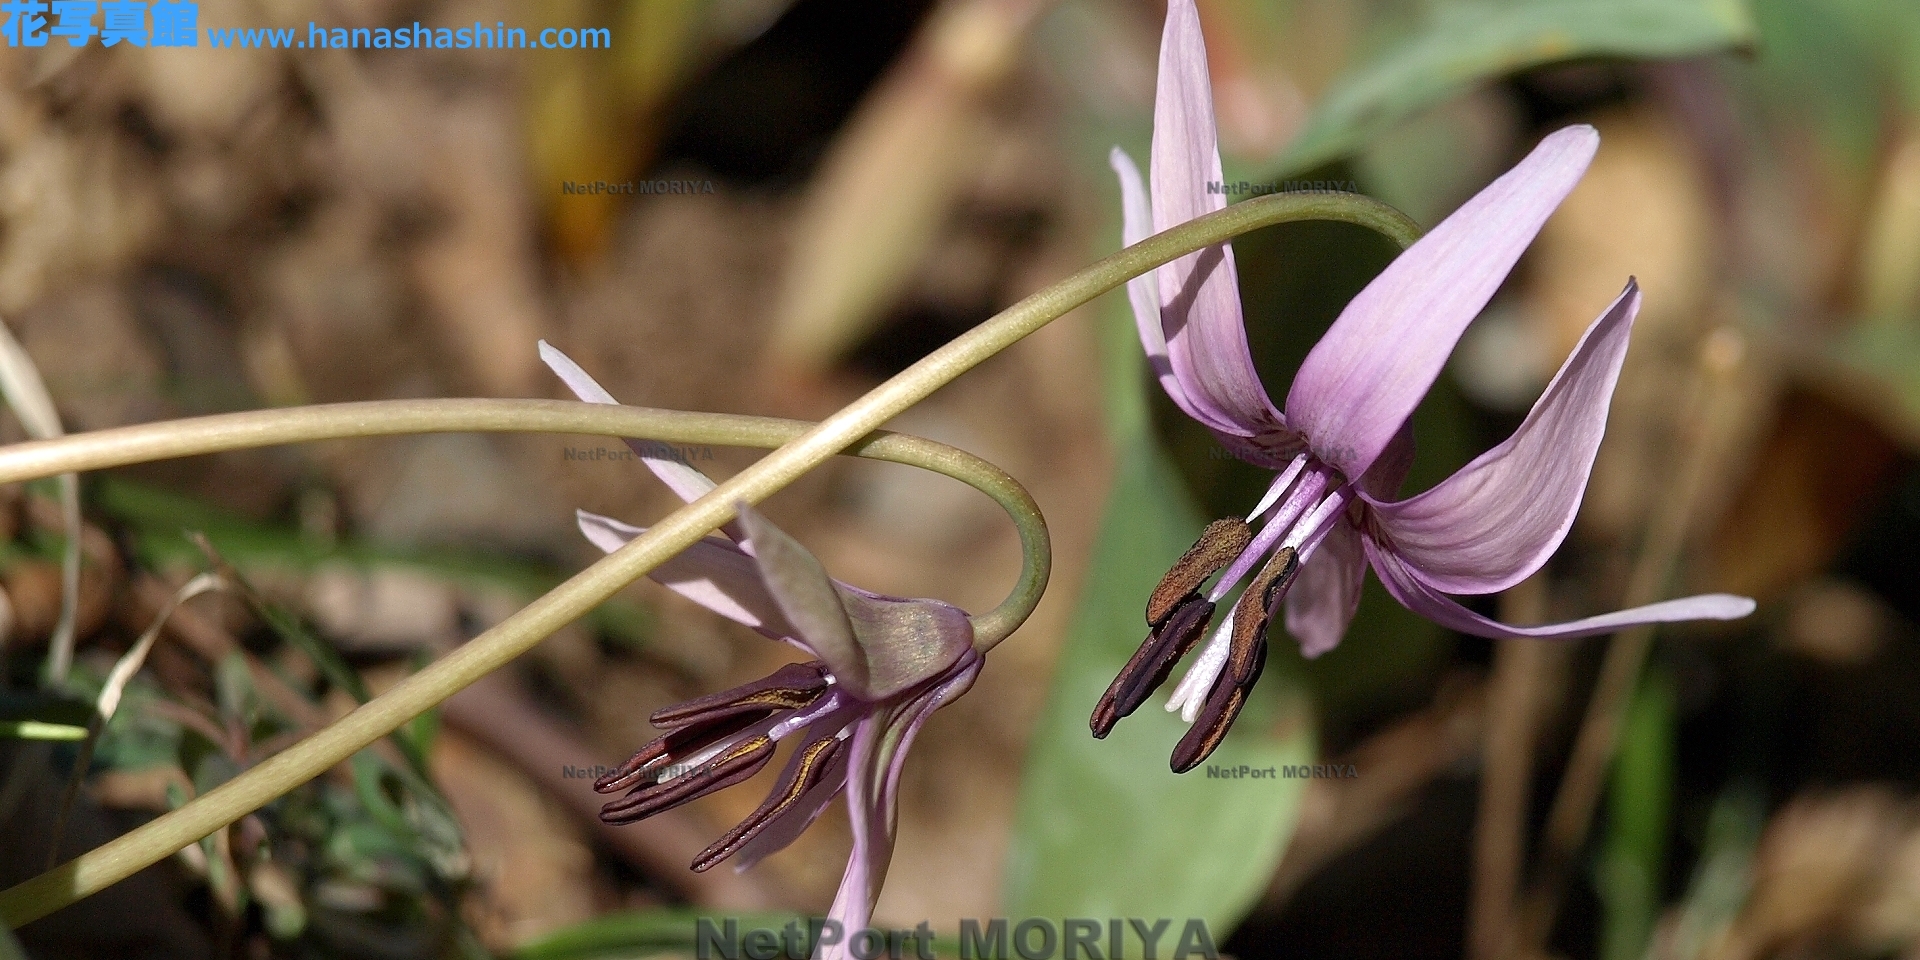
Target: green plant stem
x=513, y=636
x=122, y=446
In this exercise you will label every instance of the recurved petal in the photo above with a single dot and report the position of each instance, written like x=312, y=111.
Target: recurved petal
x=686, y=482
x=875, y=646
x=808, y=597
x=713, y=573
x=872, y=829
x=878, y=750
x=1363, y=379
x=1143, y=291
x=1324, y=598
x=1269, y=451
x=905, y=641
x=1200, y=292
x=905, y=721
x=1390, y=469
x=1441, y=609
x=1495, y=522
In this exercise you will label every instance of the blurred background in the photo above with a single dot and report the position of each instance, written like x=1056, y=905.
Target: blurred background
x=186, y=232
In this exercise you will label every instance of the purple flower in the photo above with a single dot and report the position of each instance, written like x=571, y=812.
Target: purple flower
x=1342, y=445
x=878, y=667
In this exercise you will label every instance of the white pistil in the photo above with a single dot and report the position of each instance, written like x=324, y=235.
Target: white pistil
x=804, y=718
x=675, y=770
x=1192, y=692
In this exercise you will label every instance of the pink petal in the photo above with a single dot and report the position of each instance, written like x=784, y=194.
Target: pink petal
x=809, y=599
x=1143, y=292
x=1200, y=292
x=872, y=842
x=1363, y=379
x=879, y=752
x=1270, y=451
x=909, y=718
x=905, y=641
x=1389, y=470
x=686, y=482
x=1495, y=522
x=1323, y=600
x=1441, y=609
x=876, y=646
x=713, y=573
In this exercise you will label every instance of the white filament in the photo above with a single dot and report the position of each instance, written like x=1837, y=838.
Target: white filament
x=1279, y=487
x=1191, y=694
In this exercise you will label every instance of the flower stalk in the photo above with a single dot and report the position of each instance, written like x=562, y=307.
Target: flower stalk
x=800, y=448
x=144, y=443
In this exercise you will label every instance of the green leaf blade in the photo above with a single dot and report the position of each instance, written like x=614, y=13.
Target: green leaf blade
x=1464, y=44
x=1103, y=827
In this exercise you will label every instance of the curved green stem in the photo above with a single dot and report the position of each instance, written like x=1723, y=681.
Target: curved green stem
x=122, y=446
x=513, y=636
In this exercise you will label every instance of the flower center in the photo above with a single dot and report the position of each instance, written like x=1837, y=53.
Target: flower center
x=1306, y=499
x=1299, y=510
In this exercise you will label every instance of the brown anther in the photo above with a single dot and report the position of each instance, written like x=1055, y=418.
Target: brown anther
x=1165, y=646
x=810, y=766
x=1219, y=544
x=670, y=748
x=736, y=763
x=1255, y=611
x=791, y=687
x=1223, y=707
x=698, y=724
x=1246, y=658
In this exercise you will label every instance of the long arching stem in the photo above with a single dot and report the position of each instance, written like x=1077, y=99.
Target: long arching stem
x=122, y=446
x=148, y=844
